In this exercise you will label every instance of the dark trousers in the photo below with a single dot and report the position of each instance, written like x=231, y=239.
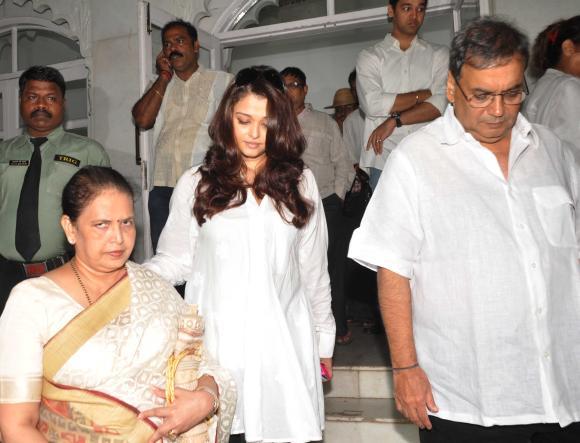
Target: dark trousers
x=159, y=198
x=446, y=431
x=13, y=272
x=8, y=279
x=237, y=438
x=337, y=250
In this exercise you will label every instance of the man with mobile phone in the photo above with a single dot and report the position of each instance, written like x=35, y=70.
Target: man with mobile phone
x=179, y=105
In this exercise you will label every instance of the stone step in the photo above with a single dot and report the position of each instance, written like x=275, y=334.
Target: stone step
x=360, y=382
x=366, y=420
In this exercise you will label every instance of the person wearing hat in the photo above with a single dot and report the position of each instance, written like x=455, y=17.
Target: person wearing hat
x=343, y=103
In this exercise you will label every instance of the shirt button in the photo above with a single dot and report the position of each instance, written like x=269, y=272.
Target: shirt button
x=522, y=226
x=534, y=265
x=547, y=355
x=539, y=311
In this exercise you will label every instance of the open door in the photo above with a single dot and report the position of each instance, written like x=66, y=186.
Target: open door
x=151, y=21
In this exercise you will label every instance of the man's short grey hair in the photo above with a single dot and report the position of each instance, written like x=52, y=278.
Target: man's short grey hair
x=486, y=42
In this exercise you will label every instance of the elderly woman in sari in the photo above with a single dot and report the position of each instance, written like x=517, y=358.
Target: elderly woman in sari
x=85, y=348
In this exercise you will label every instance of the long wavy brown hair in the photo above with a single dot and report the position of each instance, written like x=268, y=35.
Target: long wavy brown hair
x=222, y=185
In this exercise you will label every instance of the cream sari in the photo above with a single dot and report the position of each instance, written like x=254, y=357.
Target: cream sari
x=98, y=368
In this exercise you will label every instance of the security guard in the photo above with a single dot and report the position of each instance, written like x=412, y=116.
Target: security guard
x=34, y=167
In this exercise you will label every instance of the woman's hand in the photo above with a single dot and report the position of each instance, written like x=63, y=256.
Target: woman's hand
x=188, y=409
x=328, y=363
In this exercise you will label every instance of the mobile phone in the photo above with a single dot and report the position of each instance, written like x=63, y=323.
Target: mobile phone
x=324, y=372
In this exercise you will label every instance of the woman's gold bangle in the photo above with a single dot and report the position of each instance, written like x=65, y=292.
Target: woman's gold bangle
x=214, y=397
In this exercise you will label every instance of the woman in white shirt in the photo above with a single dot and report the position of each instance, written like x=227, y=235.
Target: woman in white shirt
x=246, y=230
x=555, y=100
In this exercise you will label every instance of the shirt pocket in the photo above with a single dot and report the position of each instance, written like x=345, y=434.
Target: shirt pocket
x=556, y=212
x=59, y=175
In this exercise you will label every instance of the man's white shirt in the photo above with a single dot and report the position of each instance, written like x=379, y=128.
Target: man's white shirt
x=383, y=71
x=353, y=134
x=493, y=267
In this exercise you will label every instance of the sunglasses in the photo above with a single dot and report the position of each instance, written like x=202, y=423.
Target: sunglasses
x=250, y=75
x=294, y=85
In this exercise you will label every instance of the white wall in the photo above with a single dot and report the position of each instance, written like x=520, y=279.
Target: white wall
x=115, y=85
x=328, y=59
x=115, y=88
x=531, y=16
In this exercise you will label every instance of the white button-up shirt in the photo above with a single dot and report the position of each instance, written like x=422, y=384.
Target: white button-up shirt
x=493, y=265
x=353, y=134
x=555, y=102
x=382, y=72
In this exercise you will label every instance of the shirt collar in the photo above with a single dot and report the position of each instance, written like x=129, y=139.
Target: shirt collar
x=392, y=43
x=307, y=108
x=453, y=131
x=200, y=70
x=56, y=135
x=53, y=137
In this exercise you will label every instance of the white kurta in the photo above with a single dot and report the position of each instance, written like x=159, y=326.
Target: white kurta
x=263, y=288
x=555, y=103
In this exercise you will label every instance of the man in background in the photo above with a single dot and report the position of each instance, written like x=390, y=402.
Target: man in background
x=179, y=105
x=343, y=104
x=329, y=161
x=400, y=84
x=35, y=168
x=353, y=126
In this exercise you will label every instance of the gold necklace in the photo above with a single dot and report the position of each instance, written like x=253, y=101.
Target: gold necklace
x=76, y=272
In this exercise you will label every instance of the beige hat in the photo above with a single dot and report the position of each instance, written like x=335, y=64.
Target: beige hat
x=342, y=97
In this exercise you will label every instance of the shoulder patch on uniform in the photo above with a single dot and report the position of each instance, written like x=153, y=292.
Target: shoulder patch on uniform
x=67, y=159
x=18, y=162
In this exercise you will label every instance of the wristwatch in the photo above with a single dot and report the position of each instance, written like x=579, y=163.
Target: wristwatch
x=397, y=117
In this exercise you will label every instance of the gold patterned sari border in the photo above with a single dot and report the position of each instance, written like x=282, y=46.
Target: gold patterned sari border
x=65, y=343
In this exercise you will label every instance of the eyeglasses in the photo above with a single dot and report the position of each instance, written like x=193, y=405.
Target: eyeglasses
x=250, y=75
x=484, y=99
x=294, y=85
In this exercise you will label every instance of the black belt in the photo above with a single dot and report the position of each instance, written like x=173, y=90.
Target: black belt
x=35, y=269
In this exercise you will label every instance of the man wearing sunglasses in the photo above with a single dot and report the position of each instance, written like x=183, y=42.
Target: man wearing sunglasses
x=327, y=156
x=474, y=233
x=179, y=105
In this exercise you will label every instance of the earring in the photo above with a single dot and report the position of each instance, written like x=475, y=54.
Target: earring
x=72, y=242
